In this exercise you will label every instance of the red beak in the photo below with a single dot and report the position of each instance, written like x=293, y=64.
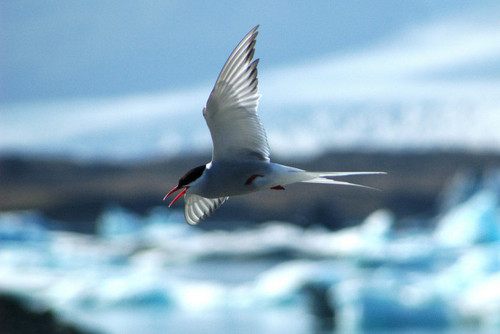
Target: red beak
x=179, y=195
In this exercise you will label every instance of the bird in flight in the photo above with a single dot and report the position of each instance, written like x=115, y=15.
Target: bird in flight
x=240, y=156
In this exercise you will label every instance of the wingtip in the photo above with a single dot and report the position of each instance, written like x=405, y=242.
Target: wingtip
x=191, y=222
x=254, y=31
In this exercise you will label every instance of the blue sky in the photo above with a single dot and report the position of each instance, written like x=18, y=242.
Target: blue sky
x=72, y=49
x=128, y=79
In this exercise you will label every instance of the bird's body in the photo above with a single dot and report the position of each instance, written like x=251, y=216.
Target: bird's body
x=230, y=178
x=241, y=161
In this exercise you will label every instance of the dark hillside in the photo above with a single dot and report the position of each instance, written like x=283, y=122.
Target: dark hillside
x=78, y=192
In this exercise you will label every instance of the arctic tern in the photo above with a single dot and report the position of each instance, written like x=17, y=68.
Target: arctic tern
x=240, y=156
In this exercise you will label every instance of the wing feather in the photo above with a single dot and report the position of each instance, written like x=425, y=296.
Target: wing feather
x=231, y=109
x=198, y=208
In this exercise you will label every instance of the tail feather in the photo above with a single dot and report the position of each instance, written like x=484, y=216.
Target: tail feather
x=321, y=177
x=342, y=183
x=339, y=174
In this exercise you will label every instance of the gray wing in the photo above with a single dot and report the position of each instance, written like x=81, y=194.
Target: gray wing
x=231, y=110
x=197, y=208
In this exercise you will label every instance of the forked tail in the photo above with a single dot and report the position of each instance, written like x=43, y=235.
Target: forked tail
x=322, y=177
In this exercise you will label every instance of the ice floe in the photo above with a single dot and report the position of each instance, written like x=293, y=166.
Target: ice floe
x=370, y=276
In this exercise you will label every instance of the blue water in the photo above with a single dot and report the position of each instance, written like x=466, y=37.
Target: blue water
x=156, y=274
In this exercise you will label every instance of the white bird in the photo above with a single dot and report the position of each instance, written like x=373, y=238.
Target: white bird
x=240, y=157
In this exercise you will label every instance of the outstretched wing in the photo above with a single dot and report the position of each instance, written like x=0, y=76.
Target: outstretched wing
x=198, y=208
x=231, y=110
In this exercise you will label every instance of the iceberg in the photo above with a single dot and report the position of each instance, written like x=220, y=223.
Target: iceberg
x=363, y=278
x=387, y=302
x=22, y=226
x=472, y=266
x=472, y=222
x=480, y=304
x=117, y=223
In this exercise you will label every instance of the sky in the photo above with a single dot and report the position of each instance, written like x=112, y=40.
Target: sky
x=128, y=78
x=72, y=49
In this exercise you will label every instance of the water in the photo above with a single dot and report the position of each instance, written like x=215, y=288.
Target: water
x=156, y=274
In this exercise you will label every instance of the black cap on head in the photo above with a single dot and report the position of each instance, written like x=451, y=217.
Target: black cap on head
x=192, y=175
